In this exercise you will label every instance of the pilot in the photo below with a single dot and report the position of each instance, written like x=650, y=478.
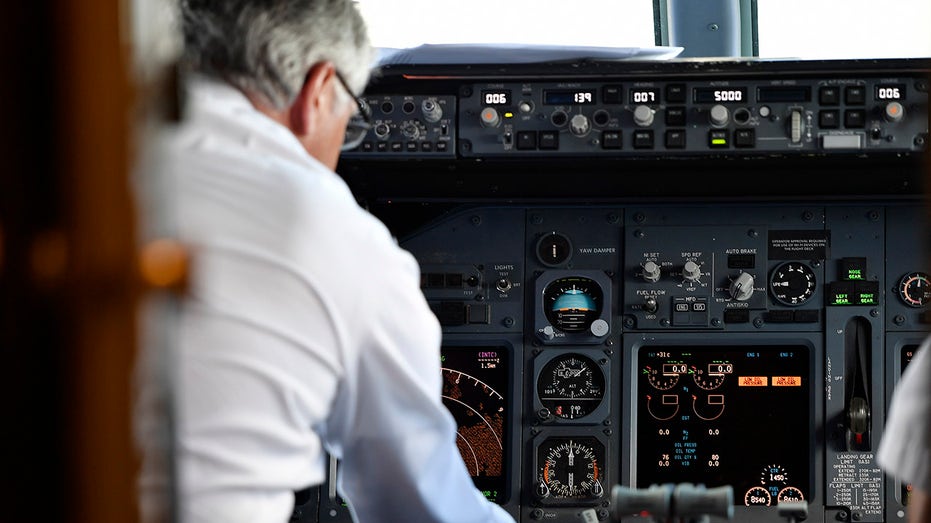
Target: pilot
x=905, y=447
x=304, y=331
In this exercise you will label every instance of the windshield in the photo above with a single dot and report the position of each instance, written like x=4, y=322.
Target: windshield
x=800, y=29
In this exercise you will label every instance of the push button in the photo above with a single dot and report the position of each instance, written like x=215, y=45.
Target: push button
x=718, y=139
x=855, y=95
x=744, y=138
x=675, y=139
x=829, y=95
x=643, y=139
x=829, y=119
x=855, y=119
x=549, y=140
x=675, y=116
x=675, y=93
x=611, y=140
x=526, y=140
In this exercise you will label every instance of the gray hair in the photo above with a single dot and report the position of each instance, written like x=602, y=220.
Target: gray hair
x=266, y=47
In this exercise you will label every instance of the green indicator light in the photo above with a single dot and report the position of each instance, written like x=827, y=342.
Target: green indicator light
x=718, y=141
x=854, y=274
x=841, y=299
x=868, y=299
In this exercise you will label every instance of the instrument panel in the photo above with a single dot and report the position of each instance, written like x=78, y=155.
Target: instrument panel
x=647, y=304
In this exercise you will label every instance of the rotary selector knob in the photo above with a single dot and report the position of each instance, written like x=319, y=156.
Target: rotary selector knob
x=490, y=117
x=691, y=271
x=432, y=112
x=894, y=112
x=651, y=272
x=580, y=125
x=742, y=287
x=643, y=115
x=719, y=115
x=599, y=328
x=548, y=332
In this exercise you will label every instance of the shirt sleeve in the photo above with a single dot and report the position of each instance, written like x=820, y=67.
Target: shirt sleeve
x=905, y=448
x=395, y=437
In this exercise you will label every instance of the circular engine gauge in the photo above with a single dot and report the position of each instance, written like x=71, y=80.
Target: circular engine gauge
x=570, y=469
x=792, y=283
x=571, y=304
x=790, y=494
x=915, y=289
x=758, y=497
x=571, y=386
x=665, y=376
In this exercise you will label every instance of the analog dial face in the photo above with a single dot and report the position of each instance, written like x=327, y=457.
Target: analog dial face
x=664, y=376
x=570, y=469
x=712, y=375
x=571, y=304
x=915, y=289
x=789, y=494
x=758, y=497
x=571, y=386
x=792, y=283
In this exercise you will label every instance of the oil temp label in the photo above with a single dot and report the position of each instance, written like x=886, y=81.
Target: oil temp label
x=799, y=245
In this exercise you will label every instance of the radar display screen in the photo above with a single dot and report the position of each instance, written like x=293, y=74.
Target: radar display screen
x=475, y=390
x=738, y=416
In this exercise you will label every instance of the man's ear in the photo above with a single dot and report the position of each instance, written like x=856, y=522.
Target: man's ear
x=312, y=99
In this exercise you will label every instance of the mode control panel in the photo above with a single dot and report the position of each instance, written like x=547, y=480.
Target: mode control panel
x=420, y=126
x=638, y=117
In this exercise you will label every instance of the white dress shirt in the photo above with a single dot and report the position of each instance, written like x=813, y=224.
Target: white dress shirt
x=305, y=331
x=905, y=448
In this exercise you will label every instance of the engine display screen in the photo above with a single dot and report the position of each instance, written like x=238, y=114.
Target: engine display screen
x=475, y=390
x=736, y=416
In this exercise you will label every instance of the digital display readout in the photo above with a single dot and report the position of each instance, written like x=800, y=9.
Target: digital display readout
x=738, y=416
x=475, y=390
x=889, y=92
x=720, y=95
x=496, y=97
x=644, y=96
x=569, y=97
x=783, y=94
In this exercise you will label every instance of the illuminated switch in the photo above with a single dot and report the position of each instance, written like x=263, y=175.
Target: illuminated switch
x=866, y=292
x=718, y=139
x=852, y=268
x=841, y=293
